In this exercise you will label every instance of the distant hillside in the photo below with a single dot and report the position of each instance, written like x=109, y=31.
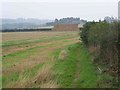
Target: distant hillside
x=22, y=23
x=32, y=23
x=69, y=20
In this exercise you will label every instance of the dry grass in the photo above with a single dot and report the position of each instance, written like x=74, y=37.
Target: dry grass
x=12, y=49
x=50, y=84
x=25, y=64
x=43, y=77
x=21, y=83
x=41, y=57
x=62, y=55
x=12, y=36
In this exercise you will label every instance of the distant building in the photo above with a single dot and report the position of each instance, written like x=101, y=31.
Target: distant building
x=66, y=27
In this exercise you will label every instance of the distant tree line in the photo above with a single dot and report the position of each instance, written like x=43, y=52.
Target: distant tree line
x=19, y=26
x=21, y=23
x=102, y=40
x=24, y=30
x=69, y=20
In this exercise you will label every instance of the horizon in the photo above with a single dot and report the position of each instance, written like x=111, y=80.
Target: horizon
x=50, y=10
x=56, y=18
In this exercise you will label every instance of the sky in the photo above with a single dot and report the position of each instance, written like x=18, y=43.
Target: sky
x=51, y=9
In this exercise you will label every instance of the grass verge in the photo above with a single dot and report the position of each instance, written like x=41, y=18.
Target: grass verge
x=65, y=71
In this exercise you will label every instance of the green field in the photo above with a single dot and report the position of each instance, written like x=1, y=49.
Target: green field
x=46, y=60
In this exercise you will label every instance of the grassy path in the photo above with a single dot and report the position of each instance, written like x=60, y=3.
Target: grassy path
x=85, y=76
x=76, y=70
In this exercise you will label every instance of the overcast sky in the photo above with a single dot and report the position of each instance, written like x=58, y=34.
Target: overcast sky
x=51, y=9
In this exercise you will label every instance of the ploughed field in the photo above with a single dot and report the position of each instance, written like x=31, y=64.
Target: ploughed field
x=45, y=60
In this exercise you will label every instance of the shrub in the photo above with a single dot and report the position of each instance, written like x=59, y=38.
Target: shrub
x=103, y=37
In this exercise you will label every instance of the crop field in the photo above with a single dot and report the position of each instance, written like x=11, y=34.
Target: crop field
x=45, y=60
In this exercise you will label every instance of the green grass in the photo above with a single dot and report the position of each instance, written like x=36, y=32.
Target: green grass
x=31, y=42
x=17, y=56
x=0, y=81
x=65, y=70
x=10, y=78
x=23, y=53
x=77, y=62
x=88, y=76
